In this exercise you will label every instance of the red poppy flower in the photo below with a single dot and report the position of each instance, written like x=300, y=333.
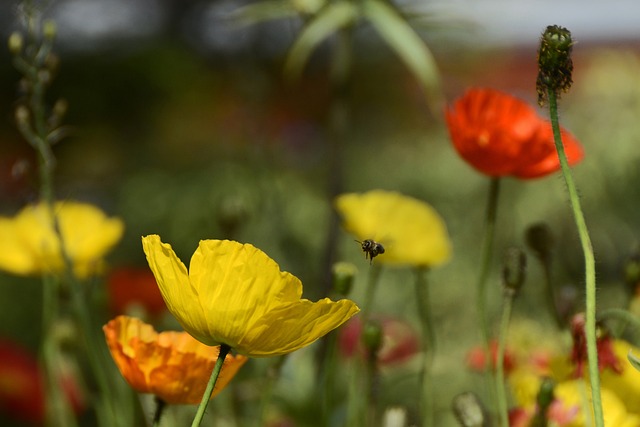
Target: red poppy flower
x=500, y=135
x=399, y=340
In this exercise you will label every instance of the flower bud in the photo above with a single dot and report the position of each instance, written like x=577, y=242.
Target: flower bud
x=554, y=62
x=16, y=43
x=514, y=268
x=540, y=240
x=469, y=410
x=545, y=394
x=372, y=338
x=632, y=271
x=342, y=275
x=49, y=29
x=22, y=114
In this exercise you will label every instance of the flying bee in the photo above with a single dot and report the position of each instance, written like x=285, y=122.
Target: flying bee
x=371, y=249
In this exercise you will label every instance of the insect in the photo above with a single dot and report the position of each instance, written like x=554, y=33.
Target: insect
x=371, y=249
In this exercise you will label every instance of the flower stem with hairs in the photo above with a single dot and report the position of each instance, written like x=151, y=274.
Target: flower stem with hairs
x=555, y=67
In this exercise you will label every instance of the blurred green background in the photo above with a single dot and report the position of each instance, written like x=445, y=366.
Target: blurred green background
x=184, y=126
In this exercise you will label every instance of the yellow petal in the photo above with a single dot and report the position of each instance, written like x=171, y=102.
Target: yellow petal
x=237, y=285
x=411, y=231
x=293, y=326
x=173, y=280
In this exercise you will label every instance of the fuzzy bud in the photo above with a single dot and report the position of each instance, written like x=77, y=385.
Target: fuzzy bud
x=513, y=271
x=469, y=410
x=554, y=62
x=342, y=275
x=16, y=43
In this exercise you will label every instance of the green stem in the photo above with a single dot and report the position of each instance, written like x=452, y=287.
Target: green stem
x=356, y=402
x=551, y=299
x=370, y=292
x=428, y=344
x=589, y=263
x=273, y=374
x=224, y=350
x=487, y=256
x=160, y=406
x=501, y=393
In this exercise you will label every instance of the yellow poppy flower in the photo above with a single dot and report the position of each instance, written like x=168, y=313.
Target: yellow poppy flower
x=410, y=230
x=171, y=365
x=234, y=294
x=626, y=383
x=29, y=244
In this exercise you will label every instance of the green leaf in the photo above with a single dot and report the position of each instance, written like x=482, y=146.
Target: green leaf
x=329, y=20
x=405, y=42
x=264, y=11
x=634, y=360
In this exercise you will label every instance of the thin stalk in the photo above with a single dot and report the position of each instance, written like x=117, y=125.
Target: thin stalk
x=589, y=263
x=355, y=402
x=272, y=377
x=224, y=350
x=486, y=258
x=625, y=317
x=160, y=407
x=501, y=393
x=550, y=295
x=428, y=344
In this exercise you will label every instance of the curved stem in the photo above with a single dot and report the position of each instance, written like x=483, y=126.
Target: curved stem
x=224, y=350
x=501, y=393
x=428, y=343
x=624, y=316
x=589, y=263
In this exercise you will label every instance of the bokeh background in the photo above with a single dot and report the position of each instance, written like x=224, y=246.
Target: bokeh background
x=182, y=124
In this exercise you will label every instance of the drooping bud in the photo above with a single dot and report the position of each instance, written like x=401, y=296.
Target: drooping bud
x=342, y=275
x=16, y=43
x=540, y=239
x=554, y=62
x=513, y=271
x=469, y=411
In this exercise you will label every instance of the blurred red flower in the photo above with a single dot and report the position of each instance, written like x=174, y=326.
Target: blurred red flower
x=21, y=387
x=500, y=135
x=477, y=358
x=399, y=340
x=129, y=286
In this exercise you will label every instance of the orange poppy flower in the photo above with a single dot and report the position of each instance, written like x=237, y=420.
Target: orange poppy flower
x=500, y=135
x=172, y=365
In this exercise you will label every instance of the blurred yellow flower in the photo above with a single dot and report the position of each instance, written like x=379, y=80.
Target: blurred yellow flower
x=171, y=365
x=234, y=294
x=411, y=231
x=29, y=244
x=627, y=382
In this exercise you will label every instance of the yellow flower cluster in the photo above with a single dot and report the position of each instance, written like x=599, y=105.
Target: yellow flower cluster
x=572, y=406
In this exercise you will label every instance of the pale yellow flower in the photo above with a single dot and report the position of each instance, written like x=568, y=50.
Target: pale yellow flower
x=29, y=244
x=410, y=230
x=234, y=294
